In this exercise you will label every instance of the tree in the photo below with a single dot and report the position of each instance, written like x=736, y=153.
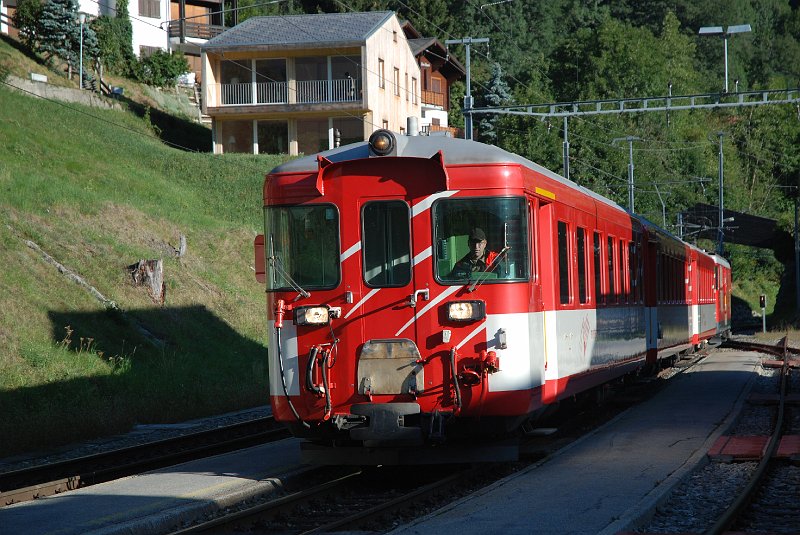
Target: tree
x=497, y=94
x=60, y=33
x=26, y=19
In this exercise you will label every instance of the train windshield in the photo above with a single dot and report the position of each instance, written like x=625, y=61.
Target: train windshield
x=483, y=239
x=302, y=247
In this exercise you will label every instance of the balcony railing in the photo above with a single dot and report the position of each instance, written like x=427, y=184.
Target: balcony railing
x=427, y=129
x=433, y=98
x=195, y=30
x=305, y=92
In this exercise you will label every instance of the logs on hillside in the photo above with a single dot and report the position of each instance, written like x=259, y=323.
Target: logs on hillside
x=150, y=274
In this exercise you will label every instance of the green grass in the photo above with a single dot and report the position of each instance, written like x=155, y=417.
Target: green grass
x=98, y=191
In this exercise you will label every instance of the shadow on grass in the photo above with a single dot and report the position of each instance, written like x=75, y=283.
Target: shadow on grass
x=179, y=132
x=160, y=365
x=22, y=49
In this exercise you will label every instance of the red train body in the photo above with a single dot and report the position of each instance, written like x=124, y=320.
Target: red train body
x=382, y=347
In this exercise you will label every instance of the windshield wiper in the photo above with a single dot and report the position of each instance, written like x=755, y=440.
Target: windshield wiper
x=277, y=264
x=479, y=280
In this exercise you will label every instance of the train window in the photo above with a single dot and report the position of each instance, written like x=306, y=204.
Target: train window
x=386, y=243
x=582, y=258
x=598, y=268
x=623, y=291
x=632, y=272
x=500, y=221
x=302, y=247
x=611, y=285
x=563, y=263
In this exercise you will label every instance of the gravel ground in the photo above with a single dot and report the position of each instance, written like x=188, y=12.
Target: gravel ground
x=141, y=434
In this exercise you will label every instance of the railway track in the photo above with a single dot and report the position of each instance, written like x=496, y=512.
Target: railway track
x=361, y=499
x=747, y=488
x=54, y=478
x=376, y=498
x=768, y=503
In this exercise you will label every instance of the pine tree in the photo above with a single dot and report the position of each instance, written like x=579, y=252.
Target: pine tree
x=61, y=33
x=59, y=30
x=497, y=94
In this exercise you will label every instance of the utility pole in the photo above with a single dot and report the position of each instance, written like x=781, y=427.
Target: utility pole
x=467, y=41
x=566, y=151
x=630, y=140
x=720, y=227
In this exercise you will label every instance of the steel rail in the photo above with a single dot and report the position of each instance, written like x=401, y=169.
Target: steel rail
x=53, y=478
x=273, y=506
x=743, y=499
x=399, y=503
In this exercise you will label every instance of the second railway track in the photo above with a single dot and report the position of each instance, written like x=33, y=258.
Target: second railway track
x=53, y=478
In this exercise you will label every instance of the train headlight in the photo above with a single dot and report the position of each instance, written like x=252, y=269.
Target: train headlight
x=317, y=315
x=382, y=142
x=466, y=310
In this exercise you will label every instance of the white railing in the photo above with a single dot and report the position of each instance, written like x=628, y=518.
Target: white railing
x=306, y=92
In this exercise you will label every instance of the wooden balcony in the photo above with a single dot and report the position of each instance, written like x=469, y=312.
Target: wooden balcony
x=432, y=98
x=195, y=30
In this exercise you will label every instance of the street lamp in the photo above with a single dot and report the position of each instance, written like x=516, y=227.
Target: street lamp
x=717, y=30
x=82, y=19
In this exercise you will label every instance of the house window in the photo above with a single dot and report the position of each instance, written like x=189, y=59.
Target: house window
x=150, y=8
x=236, y=87
x=351, y=129
x=397, y=82
x=406, y=86
x=381, y=75
x=414, y=91
x=273, y=137
x=312, y=135
x=271, y=86
x=394, y=36
x=385, y=124
x=236, y=136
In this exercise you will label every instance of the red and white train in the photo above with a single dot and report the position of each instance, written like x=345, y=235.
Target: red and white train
x=381, y=352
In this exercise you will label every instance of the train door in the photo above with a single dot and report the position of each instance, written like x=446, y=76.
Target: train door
x=385, y=298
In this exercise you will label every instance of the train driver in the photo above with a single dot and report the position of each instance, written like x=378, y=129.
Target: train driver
x=477, y=259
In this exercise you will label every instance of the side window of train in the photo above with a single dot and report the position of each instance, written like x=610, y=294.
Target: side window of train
x=386, y=243
x=632, y=272
x=621, y=265
x=563, y=263
x=583, y=295
x=598, y=268
x=610, y=260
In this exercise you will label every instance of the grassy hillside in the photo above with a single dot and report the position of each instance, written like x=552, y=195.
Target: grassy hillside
x=96, y=190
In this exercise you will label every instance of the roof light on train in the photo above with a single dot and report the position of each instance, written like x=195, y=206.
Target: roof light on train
x=316, y=315
x=382, y=142
x=466, y=310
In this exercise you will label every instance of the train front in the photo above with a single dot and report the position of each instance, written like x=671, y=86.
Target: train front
x=388, y=319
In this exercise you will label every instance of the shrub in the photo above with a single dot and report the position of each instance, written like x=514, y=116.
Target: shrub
x=115, y=39
x=161, y=68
